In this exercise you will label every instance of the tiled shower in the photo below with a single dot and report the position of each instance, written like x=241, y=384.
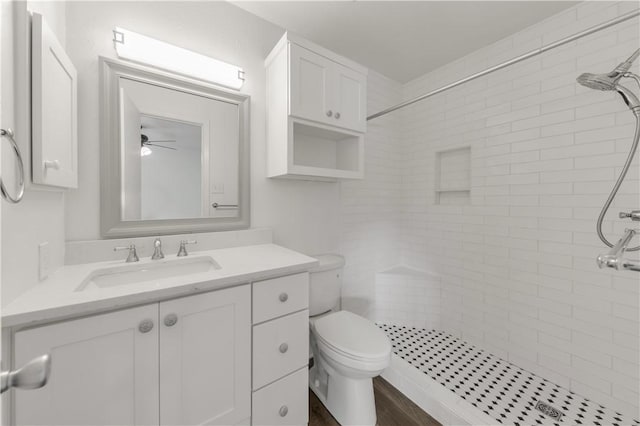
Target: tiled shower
x=509, y=264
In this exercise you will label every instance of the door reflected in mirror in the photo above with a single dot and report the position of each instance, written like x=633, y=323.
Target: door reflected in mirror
x=170, y=161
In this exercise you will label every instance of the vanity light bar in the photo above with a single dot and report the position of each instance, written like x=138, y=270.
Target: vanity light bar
x=139, y=48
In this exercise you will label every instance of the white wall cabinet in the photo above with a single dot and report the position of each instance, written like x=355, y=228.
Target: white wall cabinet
x=54, y=109
x=185, y=361
x=325, y=91
x=316, y=112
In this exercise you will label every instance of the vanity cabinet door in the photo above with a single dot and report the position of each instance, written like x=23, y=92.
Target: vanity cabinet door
x=309, y=92
x=104, y=370
x=205, y=358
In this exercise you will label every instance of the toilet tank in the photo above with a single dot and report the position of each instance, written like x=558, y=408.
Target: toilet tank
x=325, y=282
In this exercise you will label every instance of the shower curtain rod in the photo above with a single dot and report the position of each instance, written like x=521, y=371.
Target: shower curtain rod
x=512, y=61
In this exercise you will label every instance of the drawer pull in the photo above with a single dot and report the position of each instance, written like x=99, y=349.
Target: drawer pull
x=284, y=410
x=283, y=348
x=145, y=326
x=284, y=297
x=170, y=320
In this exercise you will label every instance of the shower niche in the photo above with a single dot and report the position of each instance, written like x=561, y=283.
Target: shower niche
x=453, y=176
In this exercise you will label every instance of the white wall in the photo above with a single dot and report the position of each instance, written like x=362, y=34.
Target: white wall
x=517, y=264
x=304, y=215
x=370, y=208
x=40, y=216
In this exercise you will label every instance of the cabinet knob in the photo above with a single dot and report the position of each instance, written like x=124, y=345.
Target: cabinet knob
x=145, y=326
x=283, y=348
x=329, y=113
x=170, y=320
x=284, y=410
x=337, y=116
x=284, y=297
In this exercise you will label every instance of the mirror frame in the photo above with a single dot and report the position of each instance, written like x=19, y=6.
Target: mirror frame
x=111, y=223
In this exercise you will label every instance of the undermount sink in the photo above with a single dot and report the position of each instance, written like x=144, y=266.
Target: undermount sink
x=148, y=271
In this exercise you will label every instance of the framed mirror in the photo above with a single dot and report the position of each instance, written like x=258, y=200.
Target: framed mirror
x=174, y=153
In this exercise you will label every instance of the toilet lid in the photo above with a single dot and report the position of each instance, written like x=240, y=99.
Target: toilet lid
x=352, y=335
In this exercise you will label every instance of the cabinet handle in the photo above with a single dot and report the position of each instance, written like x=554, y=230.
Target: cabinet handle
x=283, y=348
x=145, y=326
x=170, y=320
x=284, y=297
x=329, y=113
x=33, y=375
x=337, y=116
x=284, y=410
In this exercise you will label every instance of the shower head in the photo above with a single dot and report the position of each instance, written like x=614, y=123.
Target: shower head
x=598, y=81
x=610, y=81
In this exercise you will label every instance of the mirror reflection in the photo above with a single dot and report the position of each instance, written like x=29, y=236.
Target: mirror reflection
x=180, y=154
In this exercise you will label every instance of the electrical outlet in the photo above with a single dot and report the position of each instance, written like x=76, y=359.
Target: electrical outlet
x=44, y=257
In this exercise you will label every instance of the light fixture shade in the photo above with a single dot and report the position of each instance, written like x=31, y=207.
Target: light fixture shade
x=139, y=48
x=145, y=150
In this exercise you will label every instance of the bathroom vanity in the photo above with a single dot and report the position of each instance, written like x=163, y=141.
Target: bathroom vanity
x=225, y=344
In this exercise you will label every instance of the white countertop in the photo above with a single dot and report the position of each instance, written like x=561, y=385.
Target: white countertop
x=56, y=298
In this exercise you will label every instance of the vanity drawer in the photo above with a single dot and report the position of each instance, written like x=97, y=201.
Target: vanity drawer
x=285, y=402
x=280, y=296
x=280, y=347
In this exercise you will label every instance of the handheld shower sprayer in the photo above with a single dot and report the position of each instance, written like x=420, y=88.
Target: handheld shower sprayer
x=611, y=81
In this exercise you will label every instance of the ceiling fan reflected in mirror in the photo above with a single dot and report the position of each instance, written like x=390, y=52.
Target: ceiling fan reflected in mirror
x=145, y=143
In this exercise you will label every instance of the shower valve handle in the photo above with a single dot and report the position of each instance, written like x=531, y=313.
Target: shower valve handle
x=633, y=215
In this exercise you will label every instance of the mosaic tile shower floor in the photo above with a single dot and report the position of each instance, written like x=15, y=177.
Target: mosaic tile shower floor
x=500, y=389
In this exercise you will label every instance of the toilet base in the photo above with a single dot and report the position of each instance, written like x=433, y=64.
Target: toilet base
x=350, y=401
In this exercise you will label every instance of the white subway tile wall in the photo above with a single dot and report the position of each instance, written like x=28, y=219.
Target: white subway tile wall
x=516, y=266
x=371, y=208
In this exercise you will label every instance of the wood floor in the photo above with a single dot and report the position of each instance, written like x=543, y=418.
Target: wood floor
x=392, y=408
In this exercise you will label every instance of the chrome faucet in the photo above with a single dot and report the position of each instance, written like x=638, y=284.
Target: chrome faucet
x=133, y=255
x=157, y=250
x=183, y=247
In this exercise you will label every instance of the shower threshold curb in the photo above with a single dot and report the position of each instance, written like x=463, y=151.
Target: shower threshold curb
x=438, y=401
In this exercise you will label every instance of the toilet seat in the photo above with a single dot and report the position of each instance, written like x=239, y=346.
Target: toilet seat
x=349, y=338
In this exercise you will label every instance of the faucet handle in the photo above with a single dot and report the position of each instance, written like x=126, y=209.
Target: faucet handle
x=133, y=255
x=183, y=249
x=157, y=250
x=633, y=215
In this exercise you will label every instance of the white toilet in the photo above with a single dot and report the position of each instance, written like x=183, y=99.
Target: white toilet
x=348, y=350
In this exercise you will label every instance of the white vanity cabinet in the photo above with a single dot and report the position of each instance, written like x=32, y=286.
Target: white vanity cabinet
x=205, y=358
x=316, y=112
x=185, y=361
x=105, y=370
x=281, y=351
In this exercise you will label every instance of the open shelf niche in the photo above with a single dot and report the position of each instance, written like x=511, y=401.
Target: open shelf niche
x=325, y=152
x=453, y=176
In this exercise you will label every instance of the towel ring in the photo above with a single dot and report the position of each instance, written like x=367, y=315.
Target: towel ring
x=8, y=133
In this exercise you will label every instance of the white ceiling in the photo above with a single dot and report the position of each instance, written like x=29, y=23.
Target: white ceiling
x=404, y=39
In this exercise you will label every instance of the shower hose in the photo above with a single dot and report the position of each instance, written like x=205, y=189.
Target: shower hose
x=616, y=187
